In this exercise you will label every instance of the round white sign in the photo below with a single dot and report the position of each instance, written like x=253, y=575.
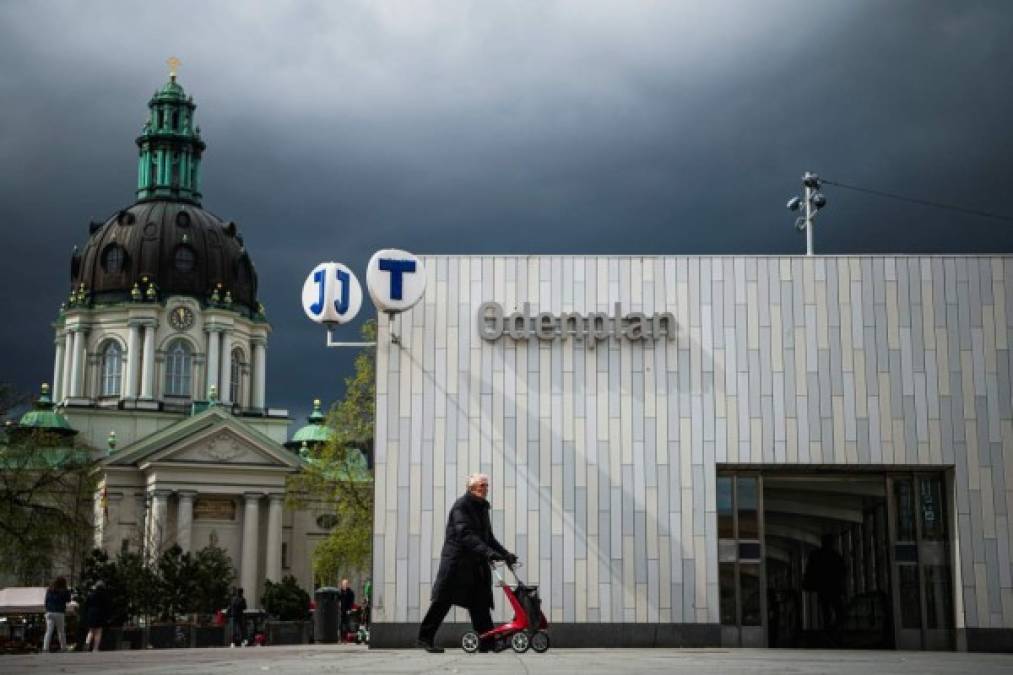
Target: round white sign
x=331, y=294
x=396, y=280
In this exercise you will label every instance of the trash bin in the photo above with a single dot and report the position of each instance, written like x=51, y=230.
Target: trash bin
x=327, y=616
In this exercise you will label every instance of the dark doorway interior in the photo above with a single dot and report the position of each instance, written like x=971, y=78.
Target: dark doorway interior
x=827, y=562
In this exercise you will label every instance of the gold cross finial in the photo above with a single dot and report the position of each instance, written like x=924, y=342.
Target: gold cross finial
x=173, y=64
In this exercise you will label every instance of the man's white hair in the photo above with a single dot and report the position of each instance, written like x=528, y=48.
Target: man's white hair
x=476, y=478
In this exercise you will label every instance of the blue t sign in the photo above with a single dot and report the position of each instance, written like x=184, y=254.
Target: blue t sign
x=397, y=269
x=396, y=279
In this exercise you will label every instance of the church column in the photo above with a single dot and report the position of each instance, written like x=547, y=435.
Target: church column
x=251, y=547
x=225, y=391
x=273, y=566
x=259, y=375
x=214, y=365
x=141, y=518
x=58, y=370
x=77, y=362
x=184, y=520
x=157, y=535
x=68, y=355
x=133, y=361
x=148, y=367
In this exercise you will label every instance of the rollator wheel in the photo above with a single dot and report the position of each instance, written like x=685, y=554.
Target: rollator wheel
x=520, y=642
x=470, y=642
x=540, y=642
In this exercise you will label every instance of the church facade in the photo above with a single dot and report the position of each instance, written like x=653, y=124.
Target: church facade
x=160, y=362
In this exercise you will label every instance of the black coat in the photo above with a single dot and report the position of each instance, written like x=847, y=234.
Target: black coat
x=97, y=608
x=464, y=577
x=346, y=598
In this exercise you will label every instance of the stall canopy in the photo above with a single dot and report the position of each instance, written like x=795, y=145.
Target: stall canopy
x=22, y=599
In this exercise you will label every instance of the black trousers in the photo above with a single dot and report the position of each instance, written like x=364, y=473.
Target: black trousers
x=481, y=619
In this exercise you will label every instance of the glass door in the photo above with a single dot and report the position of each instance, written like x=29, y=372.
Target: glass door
x=920, y=561
x=740, y=560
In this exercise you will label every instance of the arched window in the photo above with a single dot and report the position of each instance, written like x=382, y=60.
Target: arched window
x=177, y=369
x=112, y=369
x=235, y=375
x=112, y=260
x=184, y=259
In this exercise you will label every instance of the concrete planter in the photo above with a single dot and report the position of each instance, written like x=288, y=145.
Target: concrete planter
x=170, y=635
x=289, y=632
x=209, y=636
x=131, y=637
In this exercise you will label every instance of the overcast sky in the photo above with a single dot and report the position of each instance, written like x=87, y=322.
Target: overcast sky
x=337, y=128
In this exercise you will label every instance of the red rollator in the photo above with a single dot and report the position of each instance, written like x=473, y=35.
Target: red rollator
x=528, y=628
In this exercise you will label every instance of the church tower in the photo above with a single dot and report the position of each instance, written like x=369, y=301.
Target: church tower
x=162, y=345
x=162, y=312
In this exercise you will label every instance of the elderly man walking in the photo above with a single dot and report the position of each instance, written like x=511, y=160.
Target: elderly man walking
x=464, y=578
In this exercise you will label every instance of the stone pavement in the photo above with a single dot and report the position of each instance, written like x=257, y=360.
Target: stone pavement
x=312, y=659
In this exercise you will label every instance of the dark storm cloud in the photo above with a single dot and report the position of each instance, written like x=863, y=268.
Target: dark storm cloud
x=335, y=129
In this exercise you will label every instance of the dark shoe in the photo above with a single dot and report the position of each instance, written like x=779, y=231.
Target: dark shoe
x=429, y=647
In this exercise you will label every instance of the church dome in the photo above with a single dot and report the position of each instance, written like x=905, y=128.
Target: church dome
x=314, y=433
x=42, y=417
x=165, y=243
x=177, y=246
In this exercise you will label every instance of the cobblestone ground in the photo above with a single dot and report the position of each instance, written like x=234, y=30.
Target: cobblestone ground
x=298, y=660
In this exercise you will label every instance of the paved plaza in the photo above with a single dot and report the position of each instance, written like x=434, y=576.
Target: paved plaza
x=307, y=659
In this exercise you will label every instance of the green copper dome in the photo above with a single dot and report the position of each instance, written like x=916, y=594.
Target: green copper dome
x=314, y=433
x=43, y=418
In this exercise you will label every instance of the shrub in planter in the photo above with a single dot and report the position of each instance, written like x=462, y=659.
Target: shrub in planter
x=286, y=600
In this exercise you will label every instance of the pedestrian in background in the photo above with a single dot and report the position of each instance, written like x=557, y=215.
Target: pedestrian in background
x=346, y=599
x=237, y=613
x=97, y=615
x=57, y=597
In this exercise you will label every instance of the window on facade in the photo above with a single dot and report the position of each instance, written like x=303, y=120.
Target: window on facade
x=234, y=375
x=112, y=260
x=184, y=259
x=112, y=362
x=177, y=369
x=175, y=120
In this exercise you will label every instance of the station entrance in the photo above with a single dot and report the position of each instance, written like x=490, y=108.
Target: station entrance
x=835, y=560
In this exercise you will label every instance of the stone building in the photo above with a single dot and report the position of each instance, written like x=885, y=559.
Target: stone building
x=162, y=342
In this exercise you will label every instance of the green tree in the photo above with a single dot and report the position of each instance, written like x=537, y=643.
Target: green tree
x=177, y=576
x=335, y=478
x=46, y=495
x=98, y=566
x=141, y=585
x=214, y=577
x=286, y=600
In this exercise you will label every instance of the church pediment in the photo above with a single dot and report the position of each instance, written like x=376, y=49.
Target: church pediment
x=213, y=437
x=221, y=446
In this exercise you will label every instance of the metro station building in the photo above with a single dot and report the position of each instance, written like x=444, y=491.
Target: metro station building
x=671, y=438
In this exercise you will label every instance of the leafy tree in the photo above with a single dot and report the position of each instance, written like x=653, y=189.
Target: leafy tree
x=214, y=577
x=335, y=478
x=46, y=496
x=97, y=567
x=177, y=576
x=140, y=582
x=286, y=600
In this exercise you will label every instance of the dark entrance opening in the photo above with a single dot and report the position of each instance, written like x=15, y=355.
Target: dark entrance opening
x=827, y=562
x=811, y=557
